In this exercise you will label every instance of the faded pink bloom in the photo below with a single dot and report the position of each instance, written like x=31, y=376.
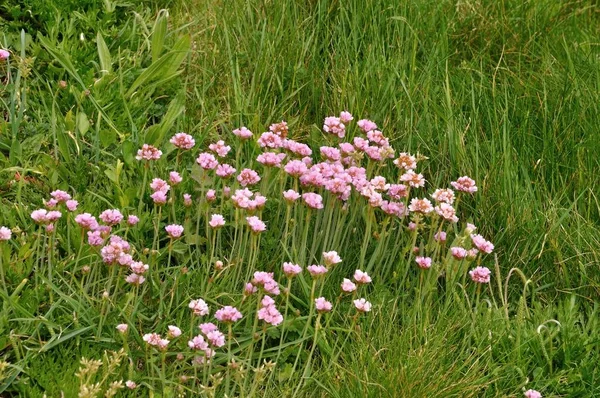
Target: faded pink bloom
x=316, y=270
x=398, y=191
x=187, y=199
x=533, y=394
x=50, y=204
x=175, y=178
x=313, y=200
x=366, y=125
x=199, y=307
x=413, y=179
x=458, y=253
x=420, y=206
x=322, y=305
x=4, y=54
x=440, y=237
x=443, y=195
x=248, y=177
x=40, y=216
x=331, y=258
x=464, y=184
x=159, y=198
x=290, y=195
x=225, y=171
x=148, y=152
x=207, y=161
x=377, y=137
x=290, y=270
x=472, y=254
x=174, y=231
x=53, y=216
x=270, y=140
x=219, y=264
x=360, y=143
x=447, y=212
x=249, y=289
x=122, y=328
x=207, y=327
x=111, y=217
x=470, y=228
x=86, y=221
x=243, y=133
x=131, y=384
x=183, y=141
x=348, y=286
x=173, y=332
x=216, y=338
x=482, y=244
x=228, y=314
x=412, y=226
x=198, y=343
x=152, y=339
x=480, y=274
x=50, y=227
x=135, y=279
x=345, y=117
x=5, y=233
x=256, y=225
x=361, y=277
x=220, y=148
x=138, y=267
x=216, y=221
x=406, y=161
x=362, y=305
x=132, y=220
x=211, y=195
x=423, y=262
x=281, y=128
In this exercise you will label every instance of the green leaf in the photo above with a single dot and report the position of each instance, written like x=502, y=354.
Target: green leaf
x=83, y=124
x=56, y=340
x=104, y=55
x=158, y=34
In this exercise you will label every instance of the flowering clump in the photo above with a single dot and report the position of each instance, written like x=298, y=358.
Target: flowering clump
x=268, y=312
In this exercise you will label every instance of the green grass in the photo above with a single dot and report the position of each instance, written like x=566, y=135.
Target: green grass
x=506, y=92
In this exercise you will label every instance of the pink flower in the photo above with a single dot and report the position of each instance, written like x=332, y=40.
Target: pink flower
x=406, y=161
x=482, y=244
x=243, y=133
x=225, y=171
x=72, y=205
x=472, y=254
x=159, y=198
x=207, y=327
x=268, y=312
x=362, y=305
x=361, y=277
x=533, y=394
x=220, y=148
x=228, y=314
x=174, y=231
x=207, y=161
x=443, y=195
x=183, y=141
x=270, y=140
x=290, y=270
x=348, y=286
x=480, y=274
x=135, y=279
x=122, y=328
x=50, y=227
x=131, y=384
x=322, y=305
x=50, y=204
x=316, y=270
x=366, y=125
x=329, y=153
x=295, y=168
x=331, y=258
x=281, y=129
x=377, y=137
x=111, y=217
x=148, y=152
x=420, y=206
x=447, y=212
x=470, y=228
x=216, y=338
x=173, y=332
x=249, y=289
x=60, y=196
x=198, y=343
x=40, y=216
x=86, y=221
x=290, y=195
x=464, y=184
x=211, y=195
x=53, y=216
x=5, y=233
x=95, y=238
x=423, y=262
x=265, y=279
x=138, y=267
x=413, y=179
x=199, y=307
x=175, y=178
x=270, y=159
x=216, y=221
x=4, y=54
x=187, y=199
x=345, y=117
x=159, y=184
x=398, y=191
x=412, y=226
x=132, y=220
x=458, y=252
x=313, y=200
x=152, y=339
x=335, y=126
x=248, y=177
x=256, y=225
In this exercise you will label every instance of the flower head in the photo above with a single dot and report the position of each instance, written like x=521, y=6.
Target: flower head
x=290, y=270
x=256, y=225
x=148, y=152
x=216, y=221
x=122, y=328
x=482, y=244
x=175, y=178
x=86, y=221
x=183, y=141
x=362, y=305
x=423, y=262
x=348, y=286
x=480, y=274
x=207, y=161
x=199, y=307
x=331, y=258
x=533, y=394
x=228, y=314
x=174, y=231
x=173, y=332
x=322, y=305
x=361, y=277
x=4, y=54
x=248, y=177
x=464, y=184
x=111, y=217
x=243, y=133
x=132, y=220
x=290, y=195
x=316, y=270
